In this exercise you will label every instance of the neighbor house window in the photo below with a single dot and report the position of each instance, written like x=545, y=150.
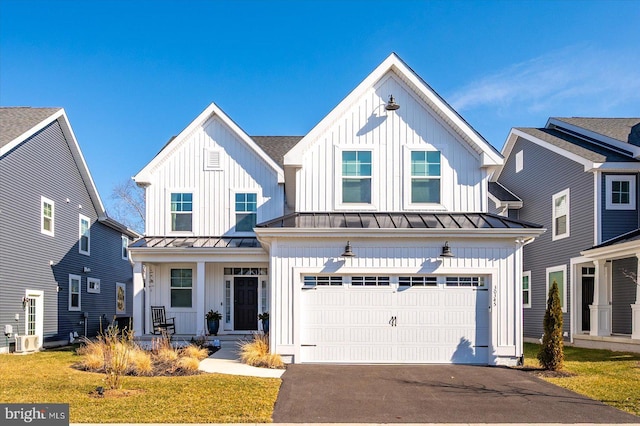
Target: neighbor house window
x=93, y=285
x=85, y=235
x=121, y=298
x=47, y=215
x=356, y=177
x=526, y=289
x=124, y=249
x=246, y=208
x=519, y=161
x=181, y=211
x=560, y=215
x=621, y=192
x=74, y=292
x=181, y=288
x=425, y=176
x=558, y=274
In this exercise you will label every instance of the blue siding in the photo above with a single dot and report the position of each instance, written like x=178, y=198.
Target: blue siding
x=618, y=222
x=43, y=165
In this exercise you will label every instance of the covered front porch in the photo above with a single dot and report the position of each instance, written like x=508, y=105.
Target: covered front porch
x=610, y=296
x=192, y=276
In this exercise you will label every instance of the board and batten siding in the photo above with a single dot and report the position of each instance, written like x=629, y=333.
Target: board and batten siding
x=365, y=125
x=498, y=258
x=182, y=170
x=545, y=174
x=618, y=222
x=43, y=165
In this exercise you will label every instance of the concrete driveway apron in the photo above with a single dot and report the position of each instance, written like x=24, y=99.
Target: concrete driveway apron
x=316, y=393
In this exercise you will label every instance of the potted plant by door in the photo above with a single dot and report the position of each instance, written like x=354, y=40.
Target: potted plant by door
x=264, y=317
x=213, y=321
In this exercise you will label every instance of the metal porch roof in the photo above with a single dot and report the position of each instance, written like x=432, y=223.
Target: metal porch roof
x=196, y=242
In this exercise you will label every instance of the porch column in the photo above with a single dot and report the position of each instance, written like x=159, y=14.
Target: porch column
x=601, y=308
x=138, y=300
x=200, y=271
x=635, y=308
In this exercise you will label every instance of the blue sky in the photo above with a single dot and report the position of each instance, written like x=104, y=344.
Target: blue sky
x=131, y=74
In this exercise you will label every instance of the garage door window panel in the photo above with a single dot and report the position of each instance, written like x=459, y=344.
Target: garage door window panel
x=369, y=281
x=322, y=280
x=465, y=282
x=418, y=281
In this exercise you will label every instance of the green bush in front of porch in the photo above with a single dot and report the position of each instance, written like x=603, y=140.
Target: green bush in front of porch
x=607, y=376
x=48, y=377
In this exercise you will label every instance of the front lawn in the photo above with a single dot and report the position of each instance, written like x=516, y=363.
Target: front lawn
x=610, y=377
x=47, y=377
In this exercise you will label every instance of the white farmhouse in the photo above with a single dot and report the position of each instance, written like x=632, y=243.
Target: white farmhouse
x=368, y=240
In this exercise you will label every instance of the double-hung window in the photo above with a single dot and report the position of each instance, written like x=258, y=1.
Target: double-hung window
x=124, y=249
x=246, y=208
x=181, y=211
x=526, y=289
x=557, y=274
x=84, y=246
x=181, y=288
x=425, y=177
x=356, y=177
x=74, y=292
x=621, y=192
x=560, y=215
x=47, y=214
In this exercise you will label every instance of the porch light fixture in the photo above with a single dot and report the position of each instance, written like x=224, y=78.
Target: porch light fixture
x=347, y=251
x=446, y=250
x=86, y=269
x=391, y=105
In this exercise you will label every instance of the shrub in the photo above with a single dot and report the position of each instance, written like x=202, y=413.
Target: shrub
x=256, y=352
x=551, y=354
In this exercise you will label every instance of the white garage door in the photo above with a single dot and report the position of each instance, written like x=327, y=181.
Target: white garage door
x=372, y=320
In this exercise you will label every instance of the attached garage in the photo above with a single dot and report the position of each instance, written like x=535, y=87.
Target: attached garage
x=397, y=319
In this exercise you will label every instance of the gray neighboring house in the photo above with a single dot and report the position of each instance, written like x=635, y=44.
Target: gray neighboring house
x=64, y=265
x=579, y=178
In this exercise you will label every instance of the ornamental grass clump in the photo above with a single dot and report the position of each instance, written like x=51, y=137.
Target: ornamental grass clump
x=256, y=352
x=551, y=354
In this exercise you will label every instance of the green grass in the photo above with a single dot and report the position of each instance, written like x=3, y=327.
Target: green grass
x=607, y=376
x=47, y=377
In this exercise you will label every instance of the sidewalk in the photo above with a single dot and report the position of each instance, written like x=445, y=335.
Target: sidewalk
x=226, y=361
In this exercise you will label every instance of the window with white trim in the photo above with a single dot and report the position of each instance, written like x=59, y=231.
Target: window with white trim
x=464, y=281
x=124, y=249
x=84, y=244
x=560, y=215
x=93, y=285
x=74, y=292
x=526, y=289
x=418, y=281
x=620, y=192
x=322, y=280
x=181, y=288
x=519, y=161
x=558, y=274
x=246, y=211
x=47, y=214
x=356, y=177
x=181, y=211
x=425, y=177
x=370, y=281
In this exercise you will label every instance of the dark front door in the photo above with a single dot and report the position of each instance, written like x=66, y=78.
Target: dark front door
x=587, y=299
x=245, y=303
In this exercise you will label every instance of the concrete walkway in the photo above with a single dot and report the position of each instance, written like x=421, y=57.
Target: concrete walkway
x=226, y=361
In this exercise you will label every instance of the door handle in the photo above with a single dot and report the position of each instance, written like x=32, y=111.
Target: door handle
x=393, y=322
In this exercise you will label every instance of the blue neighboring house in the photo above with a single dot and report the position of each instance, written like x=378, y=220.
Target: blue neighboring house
x=578, y=177
x=64, y=264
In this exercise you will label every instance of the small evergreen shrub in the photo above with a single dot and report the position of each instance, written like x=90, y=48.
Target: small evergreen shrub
x=551, y=354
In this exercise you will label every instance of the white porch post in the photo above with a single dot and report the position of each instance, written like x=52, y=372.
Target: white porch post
x=138, y=300
x=635, y=308
x=601, y=308
x=200, y=271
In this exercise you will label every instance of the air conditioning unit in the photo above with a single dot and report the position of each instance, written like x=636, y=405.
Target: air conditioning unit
x=26, y=344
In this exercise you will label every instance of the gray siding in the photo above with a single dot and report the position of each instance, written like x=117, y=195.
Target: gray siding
x=44, y=166
x=545, y=174
x=618, y=222
x=623, y=294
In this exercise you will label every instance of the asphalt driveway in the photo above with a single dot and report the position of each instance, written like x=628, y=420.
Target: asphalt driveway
x=430, y=394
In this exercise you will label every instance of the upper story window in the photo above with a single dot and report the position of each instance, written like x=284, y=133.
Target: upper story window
x=181, y=211
x=246, y=208
x=84, y=245
x=124, y=250
x=47, y=214
x=356, y=177
x=560, y=215
x=621, y=192
x=181, y=288
x=74, y=292
x=519, y=161
x=425, y=177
